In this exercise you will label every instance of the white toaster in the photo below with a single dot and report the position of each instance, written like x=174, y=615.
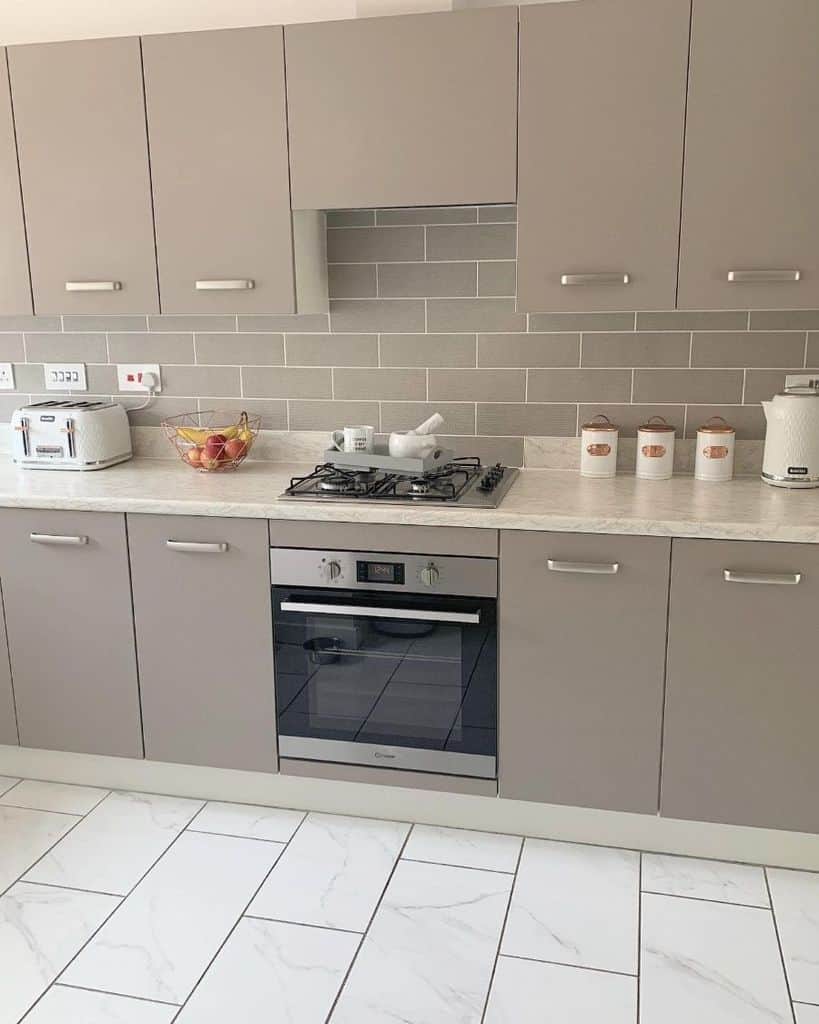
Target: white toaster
x=69, y=434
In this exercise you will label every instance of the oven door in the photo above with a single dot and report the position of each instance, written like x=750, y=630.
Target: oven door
x=395, y=680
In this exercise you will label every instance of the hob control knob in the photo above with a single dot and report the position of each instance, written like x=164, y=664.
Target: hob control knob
x=332, y=570
x=430, y=575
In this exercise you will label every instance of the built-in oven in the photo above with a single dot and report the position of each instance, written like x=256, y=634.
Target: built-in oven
x=386, y=659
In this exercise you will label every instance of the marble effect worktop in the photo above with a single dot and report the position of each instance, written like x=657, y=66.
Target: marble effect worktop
x=541, y=499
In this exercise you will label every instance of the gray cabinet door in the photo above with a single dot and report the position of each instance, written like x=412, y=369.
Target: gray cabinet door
x=218, y=137
x=204, y=640
x=70, y=630
x=602, y=114
x=80, y=116
x=413, y=110
x=750, y=203
x=742, y=702
x=15, y=288
x=8, y=716
x=581, y=668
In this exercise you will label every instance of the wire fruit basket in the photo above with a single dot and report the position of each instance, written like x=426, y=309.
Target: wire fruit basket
x=213, y=440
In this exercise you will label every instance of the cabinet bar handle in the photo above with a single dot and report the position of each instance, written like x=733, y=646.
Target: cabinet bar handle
x=56, y=538
x=569, y=279
x=593, y=568
x=411, y=614
x=93, y=286
x=781, y=579
x=225, y=286
x=763, y=276
x=204, y=546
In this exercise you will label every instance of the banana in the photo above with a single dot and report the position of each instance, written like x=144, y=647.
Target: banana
x=198, y=435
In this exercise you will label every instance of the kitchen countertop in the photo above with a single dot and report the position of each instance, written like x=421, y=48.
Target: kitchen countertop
x=541, y=499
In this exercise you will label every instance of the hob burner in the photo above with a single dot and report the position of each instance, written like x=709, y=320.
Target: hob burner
x=346, y=483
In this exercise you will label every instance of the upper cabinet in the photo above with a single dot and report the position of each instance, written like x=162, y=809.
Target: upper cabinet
x=750, y=228
x=602, y=111
x=414, y=110
x=15, y=289
x=80, y=118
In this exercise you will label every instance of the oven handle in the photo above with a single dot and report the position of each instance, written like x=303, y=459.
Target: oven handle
x=381, y=613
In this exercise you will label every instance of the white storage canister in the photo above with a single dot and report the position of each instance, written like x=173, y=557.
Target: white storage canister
x=716, y=443
x=598, y=447
x=655, y=449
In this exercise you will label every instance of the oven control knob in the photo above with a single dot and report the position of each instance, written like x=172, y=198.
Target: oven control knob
x=332, y=570
x=430, y=575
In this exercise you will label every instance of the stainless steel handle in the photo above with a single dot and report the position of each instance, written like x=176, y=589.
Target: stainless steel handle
x=93, y=286
x=569, y=279
x=56, y=538
x=593, y=568
x=763, y=276
x=414, y=614
x=204, y=546
x=780, y=579
x=237, y=285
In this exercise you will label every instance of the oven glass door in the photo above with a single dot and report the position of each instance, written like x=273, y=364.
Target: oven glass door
x=395, y=680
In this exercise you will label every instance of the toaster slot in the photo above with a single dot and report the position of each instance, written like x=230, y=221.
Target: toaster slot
x=24, y=430
x=69, y=429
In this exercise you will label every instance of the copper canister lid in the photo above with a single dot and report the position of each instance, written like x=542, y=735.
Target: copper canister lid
x=661, y=425
x=716, y=425
x=600, y=422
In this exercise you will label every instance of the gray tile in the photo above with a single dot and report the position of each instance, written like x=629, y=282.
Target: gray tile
x=427, y=349
x=29, y=323
x=240, y=349
x=201, y=381
x=429, y=215
x=785, y=320
x=697, y=386
x=159, y=409
x=579, y=385
x=29, y=378
x=352, y=280
x=763, y=348
x=404, y=280
x=350, y=218
x=114, y=324
x=682, y=320
x=474, y=315
x=472, y=242
x=272, y=412
x=764, y=384
x=310, y=323
x=528, y=349
x=101, y=379
x=527, y=419
x=375, y=245
x=8, y=403
x=581, y=322
x=477, y=385
x=357, y=316
x=77, y=348
x=331, y=415
x=215, y=324
x=459, y=417
x=11, y=348
x=152, y=348
x=497, y=277
x=629, y=417
x=747, y=420
x=332, y=350
x=383, y=385
x=497, y=214
x=813, y=348
x=286, y=382
x=669, y=348
x=508, y=450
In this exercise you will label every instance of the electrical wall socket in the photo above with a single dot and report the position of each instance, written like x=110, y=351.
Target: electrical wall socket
x=6, y=377
x=65, y=377
x=130, y=376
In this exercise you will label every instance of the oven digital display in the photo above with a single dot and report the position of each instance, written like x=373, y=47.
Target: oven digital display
x=380, y=572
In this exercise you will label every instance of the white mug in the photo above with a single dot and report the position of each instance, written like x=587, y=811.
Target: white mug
x=353, y=439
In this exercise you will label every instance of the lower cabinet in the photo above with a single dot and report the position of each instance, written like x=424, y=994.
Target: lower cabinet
x=742, y=706
x=582, y=624
x=70, y=630
x=8, y=717
x=203, y=625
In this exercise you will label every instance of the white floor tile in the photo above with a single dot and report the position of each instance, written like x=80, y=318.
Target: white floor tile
x=62, y=1005
x=429, y=953
x=269, y=971
x=111, y=849
x=806, y=1014
x=250, y=822
x=705, y=879
x=795, y=896
x=332, y=873
x=163, y=936
x=710, y=962
x=54, y=796
x=463, y=848
x=527, y=992
x=575, y=905
x=6, y=783
x=41, y=928
x=24, y=837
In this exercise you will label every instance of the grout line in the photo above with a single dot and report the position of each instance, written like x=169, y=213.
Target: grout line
x=234, y=835
x=39, y=810
x=502, y=932
x=302, y=924
x=461, y=867
x=805, y=358
x=108, y=992
x=562, y=963
x=76, y=888
x=703, y=899
x=779, y=943
x=639, y=927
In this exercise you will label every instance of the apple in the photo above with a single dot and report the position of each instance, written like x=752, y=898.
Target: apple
x=235, y=448
x=193, y=456
x=215, y=446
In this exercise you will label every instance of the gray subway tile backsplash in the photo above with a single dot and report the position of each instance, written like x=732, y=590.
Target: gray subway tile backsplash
x=527, y=419
x=389, y=385
x=474, y=315
x=11, y=348
x=75, y=348
x=748, y=420
x=303, y=323
x=688, y=386
x=350, y=218
x=428, y=350
x=497, y=277
x=740, y=348
x=497, y=214
x=581, y=322
x=429, y=215
x=477, y=385
x=785, y=320
x=192, y=322
x=287, y=382
x=30, y=323
x=375, y=245
x=459, y=417
x=471, y=242
x=74, y=322
x=356, y=316
x=332, y=349
x=155, y=348
x=587, y=385
x=683, y=320
x=203, y=381
x=629, y=417
x=762, y=384
x=352, y=280
x=307, y=415
x=667, y=348
x=521, y=349
x=239, y=349
x=406, y=280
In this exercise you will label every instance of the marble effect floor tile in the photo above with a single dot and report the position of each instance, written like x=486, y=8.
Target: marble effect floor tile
x=268, y=970
x=710, y=962
x=63, y=1005
x=806, y=1013
x=54, y=796
x=41, y=929
x=463, y=848
x=575, y=905
x=113, y=847
x=6, y=783
x=527, y=992
x=705, y=879
x=428, y=955
x=25, y=836
x=795, y=896
x=247, y=821
x=332, y=873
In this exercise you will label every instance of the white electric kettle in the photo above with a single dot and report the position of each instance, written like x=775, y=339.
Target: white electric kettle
x=792, y=438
